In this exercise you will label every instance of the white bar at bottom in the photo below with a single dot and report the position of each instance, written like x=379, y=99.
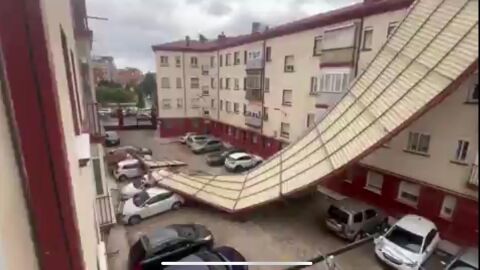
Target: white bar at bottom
x=238, y=263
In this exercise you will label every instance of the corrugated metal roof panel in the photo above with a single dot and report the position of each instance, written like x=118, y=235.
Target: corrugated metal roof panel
x=434, y=45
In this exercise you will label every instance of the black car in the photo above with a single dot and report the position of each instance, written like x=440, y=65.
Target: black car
x=218, y=159
x=220, y=254
x=171, y=243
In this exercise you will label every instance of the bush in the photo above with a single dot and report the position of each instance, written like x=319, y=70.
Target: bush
x=114, y=95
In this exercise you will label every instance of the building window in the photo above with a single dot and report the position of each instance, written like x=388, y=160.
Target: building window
x=220, y=60
x=448, y=206
x=367, y=38
x=212, y=83
x=253, y=81
x=245, y=83
x=221, y=105
x=227, y=83
x=220, y=85
x=418, y=142
x=267, y=85
x=284, y=130
x=265, y=114
x=212, y=61
x=268, y=54
x=164, y=61
x=408, y=193
x=165, y=82
x=193, y=62
x=166, y=103
x=244, y=108
x=194, y=83
x=317, y=46
x=310, y=120
x=289, y=63
x=212, y=103
x=374, y=182
x=179, y=103
x=236, y=107
x=179, y=82
x=473, y=95
x=227, y=59
x=236, y=56
x=177, y=61
x=227, y=106
x=313, y=85
x=237, y=84
x=194, y=102
x=287, y=98
x=462, y=151
x=245, y=57
x=391, y=28
x=332, y=82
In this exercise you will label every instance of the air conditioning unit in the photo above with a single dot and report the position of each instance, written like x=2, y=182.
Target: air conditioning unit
x=289, y=68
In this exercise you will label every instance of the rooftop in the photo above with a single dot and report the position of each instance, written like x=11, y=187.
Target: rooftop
x=354, y=11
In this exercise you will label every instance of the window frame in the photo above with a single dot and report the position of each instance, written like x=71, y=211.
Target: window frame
x=414, y=148
x=266, y=84
x=179, y=104
x=179, y=62
x=268, y=54
x=236, y=58
x=166, y=103
x=317, y=38
x=407, y=201
x=227, y=59
x=283, y=133
x=391, y=27
x=285, y=64
x=310, y=123
x=227, y=83
x=364, y=33
x=193, y=64
x=236, y=84
x=164, y=63
x=446, y=215
x=462, y=148
x=177, y=84
x=284, y=102
x=369, y=183
x=236, y=107
x=192, y=84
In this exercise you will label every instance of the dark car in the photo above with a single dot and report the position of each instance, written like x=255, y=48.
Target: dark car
x=168, y=244
x=220, y=254
x=218, y=159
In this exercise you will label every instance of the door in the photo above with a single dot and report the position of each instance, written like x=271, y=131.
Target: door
x=157, y=204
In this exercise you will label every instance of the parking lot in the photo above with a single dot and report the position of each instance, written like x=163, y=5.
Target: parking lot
x=291, y=230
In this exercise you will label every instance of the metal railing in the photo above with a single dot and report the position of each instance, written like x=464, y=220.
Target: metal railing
x=105, y=211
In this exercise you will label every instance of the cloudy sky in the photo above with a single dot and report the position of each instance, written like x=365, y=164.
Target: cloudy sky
x=134, y=25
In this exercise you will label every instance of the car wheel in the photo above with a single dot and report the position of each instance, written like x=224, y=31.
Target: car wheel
x=134, y=220
x=122, y=178
x=359, y=236
x=236, y=169
x=176, y=205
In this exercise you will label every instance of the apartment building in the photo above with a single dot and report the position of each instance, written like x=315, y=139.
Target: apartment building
x=430, y=168
x=129, y=76
x=104, y=69
x=263, y=90
x=55, y=210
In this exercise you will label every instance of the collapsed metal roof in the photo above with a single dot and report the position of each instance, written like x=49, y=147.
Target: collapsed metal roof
x=430, y=53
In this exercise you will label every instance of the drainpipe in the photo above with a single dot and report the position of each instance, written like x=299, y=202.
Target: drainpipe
x=262, y=84
x=184, y=88
x=218, y=86
x=358, y=40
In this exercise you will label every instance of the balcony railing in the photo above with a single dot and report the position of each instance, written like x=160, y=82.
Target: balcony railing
x=105, y=212
x=473, y=180
x=253, y=95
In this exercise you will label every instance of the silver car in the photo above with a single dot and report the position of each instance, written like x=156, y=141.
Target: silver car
x=209, y=145
x=196, y=139
x=353, y=220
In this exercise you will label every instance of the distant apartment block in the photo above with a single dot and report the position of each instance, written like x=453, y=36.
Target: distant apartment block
x=104, y=69
x=129, y=76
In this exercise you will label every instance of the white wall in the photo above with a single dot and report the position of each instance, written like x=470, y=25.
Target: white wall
x=16, y=246
x=446, y=123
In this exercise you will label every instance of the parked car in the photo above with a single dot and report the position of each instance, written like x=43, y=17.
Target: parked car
x=196, y=139
x=111, y=138
x=128, y=168
x=147, y=203
x=183, y=139
x=241, y=161
x=171, y=243
x=466, y=259
x=220, y=254
x=218, y=159
x=408, y=243
x=135, y=187
x=210, y=145
x=352, y=219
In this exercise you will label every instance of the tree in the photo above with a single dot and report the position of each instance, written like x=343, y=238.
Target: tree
x=114, y=95
x=110, y=84
x=148, y=86
x=140, y=99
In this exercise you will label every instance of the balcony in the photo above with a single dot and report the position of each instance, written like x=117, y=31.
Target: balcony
x=256, y=63
x=253, y=95
x=104, y=212
x=338, y=45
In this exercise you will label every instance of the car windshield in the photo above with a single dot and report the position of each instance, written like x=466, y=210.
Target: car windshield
x=137, y=183
x=338, y=215
x=140, y=198
x=405, y=239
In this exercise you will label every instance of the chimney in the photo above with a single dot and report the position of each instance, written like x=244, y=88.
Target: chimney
x=202, y=38
x=221, y=36
x=187, y=40
x=255, y=27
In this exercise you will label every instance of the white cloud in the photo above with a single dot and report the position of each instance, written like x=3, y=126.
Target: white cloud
x=134, y=26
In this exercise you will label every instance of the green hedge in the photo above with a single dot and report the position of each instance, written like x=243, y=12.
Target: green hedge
x=115, y=95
